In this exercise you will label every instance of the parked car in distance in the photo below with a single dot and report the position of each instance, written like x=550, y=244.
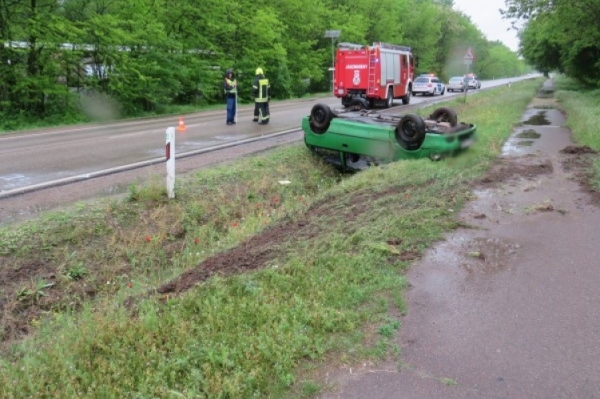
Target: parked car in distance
x=428, y=84
x=456, y=83
x=472, y=81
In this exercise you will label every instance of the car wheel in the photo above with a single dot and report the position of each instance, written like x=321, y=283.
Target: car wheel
x=410, y=132
x=406, y=98
x=443, y=91
x=389, y=101
x=444, y=114
x=320, y=118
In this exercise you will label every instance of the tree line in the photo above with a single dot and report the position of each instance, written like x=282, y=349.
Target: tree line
x=560, y=35
x=142, y=55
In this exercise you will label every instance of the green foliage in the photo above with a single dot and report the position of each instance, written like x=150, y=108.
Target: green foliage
x=561, y=35
x=138, y=57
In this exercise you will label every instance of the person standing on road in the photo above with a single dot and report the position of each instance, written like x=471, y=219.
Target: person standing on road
x=230, y=86
x=260, y=89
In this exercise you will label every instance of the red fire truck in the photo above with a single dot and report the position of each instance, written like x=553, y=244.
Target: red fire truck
x=378, y=73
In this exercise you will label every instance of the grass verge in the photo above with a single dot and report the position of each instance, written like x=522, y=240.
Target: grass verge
x=583, y=118
x=322, y=261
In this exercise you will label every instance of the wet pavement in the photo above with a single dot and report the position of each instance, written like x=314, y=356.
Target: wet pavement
x=510, y=308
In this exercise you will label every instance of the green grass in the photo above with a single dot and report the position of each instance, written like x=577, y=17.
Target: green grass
x=583, y=118
x=328, y=295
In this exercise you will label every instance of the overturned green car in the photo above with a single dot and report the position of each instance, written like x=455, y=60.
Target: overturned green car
x=355, y=138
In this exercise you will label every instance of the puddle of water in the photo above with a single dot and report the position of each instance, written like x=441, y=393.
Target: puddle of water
x=9, y=182
x=524, y=143
x=489, y=255
x=545, y=93
x=513, y=148
x=528, y=134
x=538, y=119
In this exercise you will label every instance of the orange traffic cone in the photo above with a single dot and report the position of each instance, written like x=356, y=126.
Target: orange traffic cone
x=181, y=127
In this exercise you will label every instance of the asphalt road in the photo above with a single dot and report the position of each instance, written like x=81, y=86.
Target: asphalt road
x=35, y=159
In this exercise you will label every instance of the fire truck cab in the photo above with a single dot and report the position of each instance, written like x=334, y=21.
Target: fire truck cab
x=378, y=73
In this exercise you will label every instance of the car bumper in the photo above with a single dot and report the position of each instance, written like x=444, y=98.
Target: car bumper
x=419, y=90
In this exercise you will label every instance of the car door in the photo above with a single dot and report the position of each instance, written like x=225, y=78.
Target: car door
x=438, y=86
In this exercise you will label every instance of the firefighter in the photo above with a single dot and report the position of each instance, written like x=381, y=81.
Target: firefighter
x=230, y=86
x=260, y=89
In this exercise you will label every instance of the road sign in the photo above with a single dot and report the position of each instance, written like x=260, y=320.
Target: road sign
x=469, y=56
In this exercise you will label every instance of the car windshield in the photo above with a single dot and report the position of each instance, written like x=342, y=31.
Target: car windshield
x=456, y=80
x=422, y=80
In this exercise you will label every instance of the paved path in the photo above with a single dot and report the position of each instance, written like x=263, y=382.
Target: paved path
x=522, y=320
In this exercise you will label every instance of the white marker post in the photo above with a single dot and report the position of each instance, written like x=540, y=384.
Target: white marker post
x=170, y=152
x=236, y=105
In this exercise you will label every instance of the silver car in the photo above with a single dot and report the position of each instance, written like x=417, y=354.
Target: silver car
x=456, y=83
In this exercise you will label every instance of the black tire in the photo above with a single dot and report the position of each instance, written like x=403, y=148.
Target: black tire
x=389, y=100
x=406, y=98
x=444, y=114
x=443, y=91
x=359, y=103
x=410, y=132
x=320, y=118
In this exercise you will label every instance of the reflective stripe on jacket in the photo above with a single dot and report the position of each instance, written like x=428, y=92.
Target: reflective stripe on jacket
x=262, y=91
x=230, y=86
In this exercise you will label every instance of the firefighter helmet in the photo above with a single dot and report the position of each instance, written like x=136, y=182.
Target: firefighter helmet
x=259, y=71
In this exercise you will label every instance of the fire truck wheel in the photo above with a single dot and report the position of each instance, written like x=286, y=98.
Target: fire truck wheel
x=389, y=101
x=359, y=103
x=320, y=118
x=406, y=98
x=444, y=114
x=410, y=132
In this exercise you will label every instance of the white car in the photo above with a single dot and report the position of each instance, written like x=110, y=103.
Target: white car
x=473, y=82
x=430, y=85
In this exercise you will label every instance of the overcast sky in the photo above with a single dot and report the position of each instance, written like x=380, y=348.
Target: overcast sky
x=485, y=14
